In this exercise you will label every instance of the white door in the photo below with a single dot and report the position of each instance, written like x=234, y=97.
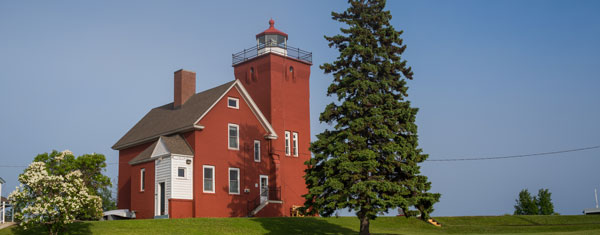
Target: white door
x=264, y=188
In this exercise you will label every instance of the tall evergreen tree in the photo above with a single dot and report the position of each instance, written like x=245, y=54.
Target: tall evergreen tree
x=368, y=161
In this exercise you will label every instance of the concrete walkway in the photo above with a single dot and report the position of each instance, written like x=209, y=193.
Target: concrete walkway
x=6, y=225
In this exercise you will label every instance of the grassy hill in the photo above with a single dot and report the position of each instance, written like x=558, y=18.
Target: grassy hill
x=576, y=224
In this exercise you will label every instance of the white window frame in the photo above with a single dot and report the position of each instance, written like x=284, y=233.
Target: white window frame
x=204, y=167
x=257, y=148
x=237, y=103
x=142, y=179
x=184, y=172
x=237, y=127
x=238, y=180
x=295, y=144
x=287, y=143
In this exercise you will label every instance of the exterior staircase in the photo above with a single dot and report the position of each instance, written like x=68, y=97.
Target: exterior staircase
x=262, y=205
x=273, y=195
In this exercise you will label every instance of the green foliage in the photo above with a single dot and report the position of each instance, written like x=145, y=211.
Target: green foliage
x=52, y=200
x=368, y=161
x=544, y=202
x=525, y=204
x=108, y=202
x=531, y=205
x=91, y=167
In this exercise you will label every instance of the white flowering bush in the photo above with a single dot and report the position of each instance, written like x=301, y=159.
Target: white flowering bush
x=52, y=200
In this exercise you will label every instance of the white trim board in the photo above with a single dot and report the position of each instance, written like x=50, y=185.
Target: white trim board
x=253, y=107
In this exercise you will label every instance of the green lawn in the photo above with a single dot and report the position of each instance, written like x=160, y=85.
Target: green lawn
x=575, y=224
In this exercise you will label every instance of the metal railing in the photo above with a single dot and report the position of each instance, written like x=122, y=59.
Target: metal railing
x=274, y=193
x=258, y=50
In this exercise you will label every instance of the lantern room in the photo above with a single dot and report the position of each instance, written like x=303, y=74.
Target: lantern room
x=272, y=40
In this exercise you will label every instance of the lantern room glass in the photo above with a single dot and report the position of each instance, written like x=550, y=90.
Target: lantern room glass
x=271, y=40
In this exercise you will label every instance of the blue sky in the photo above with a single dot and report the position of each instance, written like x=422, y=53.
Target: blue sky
x=492, y=78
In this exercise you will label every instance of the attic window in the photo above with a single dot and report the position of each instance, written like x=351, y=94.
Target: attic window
x=232, y=103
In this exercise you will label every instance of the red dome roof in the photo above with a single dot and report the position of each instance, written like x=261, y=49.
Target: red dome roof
x=272, y=30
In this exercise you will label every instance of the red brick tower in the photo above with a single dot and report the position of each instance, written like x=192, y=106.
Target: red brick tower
x=277, y=77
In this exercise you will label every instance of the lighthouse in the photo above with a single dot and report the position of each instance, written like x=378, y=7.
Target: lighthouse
x=277, y=76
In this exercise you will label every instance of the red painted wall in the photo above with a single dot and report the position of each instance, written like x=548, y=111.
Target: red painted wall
x=125, y=170
x=284, y=98
x=142, y=201
x=211, y=148
x=180, y=208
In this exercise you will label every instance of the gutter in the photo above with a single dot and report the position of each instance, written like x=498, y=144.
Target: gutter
x=151, y=138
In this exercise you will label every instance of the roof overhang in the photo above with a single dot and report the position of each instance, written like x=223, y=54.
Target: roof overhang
x=155, y=137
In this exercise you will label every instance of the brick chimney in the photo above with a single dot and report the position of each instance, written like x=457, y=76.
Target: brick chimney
x=185, y=87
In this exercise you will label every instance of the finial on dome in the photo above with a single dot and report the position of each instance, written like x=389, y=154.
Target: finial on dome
x=271, y=23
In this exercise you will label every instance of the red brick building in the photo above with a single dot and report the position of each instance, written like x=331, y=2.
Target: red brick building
x=234, y=150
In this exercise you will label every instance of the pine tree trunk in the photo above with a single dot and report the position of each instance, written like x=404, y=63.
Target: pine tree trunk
x=364, y=226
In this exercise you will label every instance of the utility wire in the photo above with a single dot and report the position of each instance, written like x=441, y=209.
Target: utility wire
x=454, y=159
x=511, y=156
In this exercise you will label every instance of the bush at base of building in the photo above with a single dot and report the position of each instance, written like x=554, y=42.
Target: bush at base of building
x=52, y=201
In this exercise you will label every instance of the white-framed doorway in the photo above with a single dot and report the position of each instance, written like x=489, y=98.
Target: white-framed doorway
x=264, y=188
x=160, y=199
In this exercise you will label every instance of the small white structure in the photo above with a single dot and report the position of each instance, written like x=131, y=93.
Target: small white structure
x=592, y=211
x=2, y=203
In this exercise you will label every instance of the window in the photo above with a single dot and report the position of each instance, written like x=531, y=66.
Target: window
x=209, y=179
x=181, y=172
x=142, y=179
x=232, y=103
x=287, y=143
x=295, y=144
x=233, y=134
x=257, y=150
x=234, y=181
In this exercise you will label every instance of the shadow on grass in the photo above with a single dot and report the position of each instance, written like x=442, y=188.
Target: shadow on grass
x=528, y=220
x=305, y=225
x=74, y=228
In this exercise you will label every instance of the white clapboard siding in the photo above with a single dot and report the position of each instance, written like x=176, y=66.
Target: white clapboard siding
x=163, y=174
x=182, y=187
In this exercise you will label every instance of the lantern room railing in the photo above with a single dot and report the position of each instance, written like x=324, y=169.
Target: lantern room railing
x=258, y=50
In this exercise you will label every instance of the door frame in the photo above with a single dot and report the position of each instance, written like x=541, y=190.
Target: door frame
x=157, y=199
x=260, y=187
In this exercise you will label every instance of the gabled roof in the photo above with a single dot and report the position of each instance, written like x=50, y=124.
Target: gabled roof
x=2, y=181
x=164, y=120
x=174, y=144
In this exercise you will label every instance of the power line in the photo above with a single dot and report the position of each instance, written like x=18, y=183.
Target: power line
x=512, y=156
x=451, y=159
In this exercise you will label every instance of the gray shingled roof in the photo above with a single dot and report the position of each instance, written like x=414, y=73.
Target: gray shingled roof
x=165, y=120
x=175, y=144
x=144, y=155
